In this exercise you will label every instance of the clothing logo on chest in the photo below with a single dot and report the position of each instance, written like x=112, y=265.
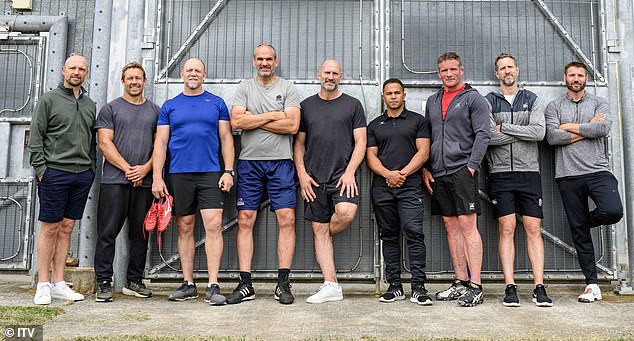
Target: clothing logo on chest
x=525, y=106
x=279, y=99
x=207, y=100
x=458, y=105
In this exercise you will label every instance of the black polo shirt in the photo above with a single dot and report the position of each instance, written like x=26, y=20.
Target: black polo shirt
x=396, y=139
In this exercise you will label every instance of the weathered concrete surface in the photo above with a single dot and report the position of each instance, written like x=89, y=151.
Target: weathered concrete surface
x=359, y=315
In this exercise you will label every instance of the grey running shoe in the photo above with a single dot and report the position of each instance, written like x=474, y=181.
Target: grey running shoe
x=393, y=293
x=283, y=293
x=510, y=296
x=243, y=292
x=184, y=292
x=213, y=296
x=137, y=290
x=419, y=295
x=471, y=297
x=104, y=292
x=452, y=293
x=540, y=297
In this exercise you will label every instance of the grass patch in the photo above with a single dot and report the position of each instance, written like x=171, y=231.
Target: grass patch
x=154, y=338
x=139, y=317
x=363, y=338
x=27, y=315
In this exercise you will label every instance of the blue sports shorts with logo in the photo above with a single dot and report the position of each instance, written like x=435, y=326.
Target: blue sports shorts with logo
x=277, y=177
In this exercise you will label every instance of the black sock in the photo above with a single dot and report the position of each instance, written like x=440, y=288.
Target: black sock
x=476, y=286
x=464, y=283
x=245, y=277
x=282, y=275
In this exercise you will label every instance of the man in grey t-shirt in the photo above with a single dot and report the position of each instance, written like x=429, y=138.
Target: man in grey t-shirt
x=126, y=133
x=266, y=108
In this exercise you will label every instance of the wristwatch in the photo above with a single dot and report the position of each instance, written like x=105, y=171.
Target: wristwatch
x=230, y=172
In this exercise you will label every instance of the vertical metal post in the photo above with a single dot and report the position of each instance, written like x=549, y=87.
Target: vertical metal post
x=624, y=51
x=98, y=93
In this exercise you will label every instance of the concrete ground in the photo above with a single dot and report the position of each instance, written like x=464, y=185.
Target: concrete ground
x=358, y=316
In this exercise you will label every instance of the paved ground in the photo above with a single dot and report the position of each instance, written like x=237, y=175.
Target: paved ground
x=358, y=316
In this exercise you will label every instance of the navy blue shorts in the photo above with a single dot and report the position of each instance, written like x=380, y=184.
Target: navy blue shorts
x=277, y=176
x=63, y=194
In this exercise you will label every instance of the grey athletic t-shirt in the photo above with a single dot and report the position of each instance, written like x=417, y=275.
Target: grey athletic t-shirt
x=133, y=127
x=329, y=126
x=259, y=144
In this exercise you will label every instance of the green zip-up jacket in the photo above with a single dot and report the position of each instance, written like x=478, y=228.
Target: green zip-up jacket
x=62, y=132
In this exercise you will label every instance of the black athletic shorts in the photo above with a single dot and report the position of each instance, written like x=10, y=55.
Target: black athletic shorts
x=456, y=194
x=196, y=190
x=516, y=192
x=327, y=196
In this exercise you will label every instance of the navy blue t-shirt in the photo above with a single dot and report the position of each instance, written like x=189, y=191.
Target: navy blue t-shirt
x=193, y=120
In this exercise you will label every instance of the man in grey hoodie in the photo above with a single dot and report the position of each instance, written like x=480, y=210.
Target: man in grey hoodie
x=460, y=134
x=577, y=125
x=517, y=124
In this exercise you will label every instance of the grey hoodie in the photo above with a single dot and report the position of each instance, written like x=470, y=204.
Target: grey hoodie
x=461, y=139
x=522, y=125
x=586, y=156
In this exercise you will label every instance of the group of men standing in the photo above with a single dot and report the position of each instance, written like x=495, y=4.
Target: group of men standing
x=322, y=140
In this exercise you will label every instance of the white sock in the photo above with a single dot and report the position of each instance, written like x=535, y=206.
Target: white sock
x=62, y=283
x=190, y=283
x=210, y=284
x=42, y=284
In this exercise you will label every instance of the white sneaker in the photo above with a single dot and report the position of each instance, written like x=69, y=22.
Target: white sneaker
x=42, y=294
x=591, y=294
x=328, y=292
x=64, y=292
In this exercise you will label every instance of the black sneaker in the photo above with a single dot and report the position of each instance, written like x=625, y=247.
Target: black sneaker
x=393, y=293
x=283, y=293
x=510, y=296
x=137, y=290
x=104, y=292
x=419, y=295
x=184, y=292
x=471, y=297
x=452, y=293
x=540, y=297
x=213, y=295
x=243, y=292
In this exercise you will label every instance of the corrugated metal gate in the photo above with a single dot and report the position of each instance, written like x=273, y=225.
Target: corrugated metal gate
x=374, y=40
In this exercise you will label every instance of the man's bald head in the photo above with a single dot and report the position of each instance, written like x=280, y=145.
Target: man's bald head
x=194, y=62
x=74, y=70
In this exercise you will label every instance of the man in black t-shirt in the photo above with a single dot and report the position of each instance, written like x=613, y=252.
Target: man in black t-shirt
x=125, y=128
x=328, y=150
x=398, y=146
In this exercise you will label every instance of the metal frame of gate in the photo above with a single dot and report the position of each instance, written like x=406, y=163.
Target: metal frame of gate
x=382, y=45
x=16, y=193
x=157, y=12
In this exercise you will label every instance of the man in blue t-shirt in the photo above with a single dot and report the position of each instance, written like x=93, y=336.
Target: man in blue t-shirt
x=195, y=126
